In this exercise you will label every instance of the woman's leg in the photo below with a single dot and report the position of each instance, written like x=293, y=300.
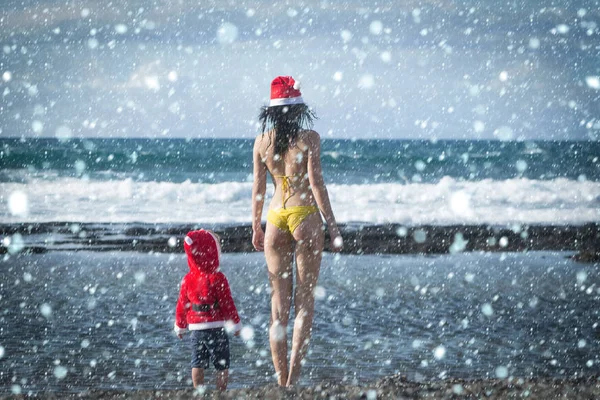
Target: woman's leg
x=309, y=250
x=279, y=248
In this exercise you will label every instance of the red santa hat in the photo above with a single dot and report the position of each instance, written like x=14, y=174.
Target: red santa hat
x=203, y=250
x=285, y=91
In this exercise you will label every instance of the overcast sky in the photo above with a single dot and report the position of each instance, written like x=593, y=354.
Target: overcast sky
x=388, y=69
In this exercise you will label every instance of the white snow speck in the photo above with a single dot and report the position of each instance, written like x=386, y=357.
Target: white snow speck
x=487, y=310
x=562, y=29
x=227, y=33
x=18, y=203
x=338, y=76
x=121, y=29
x=503, y=76
x=320, y=293
x=503, y=242
x=439, y=352
x=367, y=81
x=593, y=82
x=402, y=231
x=420, y=236
x=140, y=277
x=80, y=167
x=386, y=56
x=416, y=14
x=251, y=12
x=376, y=27
x=457, y=389
x=338, y=241
x=46, y=310
x=2, y=351
x=521, y=165
x=478, y=126
x=27, y=277
x=346, y=35
x=14, y=243
x=85, y=343
x=7, y=76
x=460, y=203
x=37, y=126
x=15, y=389
x=501, y=372
x=85, y=12
x=278, y=331
x=247, y=333
x=92, y=43
x=469, y=277
x=581, y=277
x=152, y=82
x=504, y=133
x=534, y=43
x=459, y=244
x=63, y=133
x=292, y=12
x=420, y=165
x=582, y=343
x=172, y=242
x=173, y=76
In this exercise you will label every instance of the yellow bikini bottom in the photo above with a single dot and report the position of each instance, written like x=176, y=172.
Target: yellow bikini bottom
x=289, y=218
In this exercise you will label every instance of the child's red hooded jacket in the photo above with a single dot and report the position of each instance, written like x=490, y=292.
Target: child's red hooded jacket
x=205, y=300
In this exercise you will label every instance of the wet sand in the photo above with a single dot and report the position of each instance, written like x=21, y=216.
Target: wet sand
x=358, y=239
x=393, y=387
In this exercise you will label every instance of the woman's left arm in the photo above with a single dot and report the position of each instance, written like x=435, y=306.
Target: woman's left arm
x=259, y=188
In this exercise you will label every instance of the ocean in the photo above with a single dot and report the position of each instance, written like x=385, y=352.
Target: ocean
x=85, y=314
x=209, y=181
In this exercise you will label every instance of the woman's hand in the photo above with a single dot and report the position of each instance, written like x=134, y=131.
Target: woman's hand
x=258, y=239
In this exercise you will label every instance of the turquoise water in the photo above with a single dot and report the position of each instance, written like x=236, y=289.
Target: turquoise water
x=344, y=161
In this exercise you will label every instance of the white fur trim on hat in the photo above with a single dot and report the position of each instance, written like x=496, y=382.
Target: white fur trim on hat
x=286, y=101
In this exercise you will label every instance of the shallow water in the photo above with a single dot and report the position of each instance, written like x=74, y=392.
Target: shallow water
x=77, y=320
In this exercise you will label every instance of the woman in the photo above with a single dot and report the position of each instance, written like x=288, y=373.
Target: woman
x=291, y=154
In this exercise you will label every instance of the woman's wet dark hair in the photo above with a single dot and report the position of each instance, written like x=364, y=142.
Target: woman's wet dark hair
x=286, y=121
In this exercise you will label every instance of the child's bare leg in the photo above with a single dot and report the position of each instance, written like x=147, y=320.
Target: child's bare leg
x=198, y=377
x=222, y=379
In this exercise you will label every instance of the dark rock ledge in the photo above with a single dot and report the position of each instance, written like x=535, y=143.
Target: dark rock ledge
x=358, y=238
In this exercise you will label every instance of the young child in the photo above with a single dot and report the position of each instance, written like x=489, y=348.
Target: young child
x=205, y=307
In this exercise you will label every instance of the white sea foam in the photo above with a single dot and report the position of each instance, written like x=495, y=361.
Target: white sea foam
x=513, y=201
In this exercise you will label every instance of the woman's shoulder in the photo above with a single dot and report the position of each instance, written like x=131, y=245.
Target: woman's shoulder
x=260, y=141
x=310, y=136
x=311, y=139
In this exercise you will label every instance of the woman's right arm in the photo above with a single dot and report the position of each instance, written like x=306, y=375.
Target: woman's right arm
x=317, y=184
x=259, y=188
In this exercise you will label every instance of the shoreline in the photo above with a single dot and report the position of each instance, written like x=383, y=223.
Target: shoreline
x=358, y=238
x=396, y=386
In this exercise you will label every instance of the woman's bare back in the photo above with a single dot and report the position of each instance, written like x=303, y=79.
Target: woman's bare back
x=292, y=166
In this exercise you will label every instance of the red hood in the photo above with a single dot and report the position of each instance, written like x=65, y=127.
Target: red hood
x=203, y=251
